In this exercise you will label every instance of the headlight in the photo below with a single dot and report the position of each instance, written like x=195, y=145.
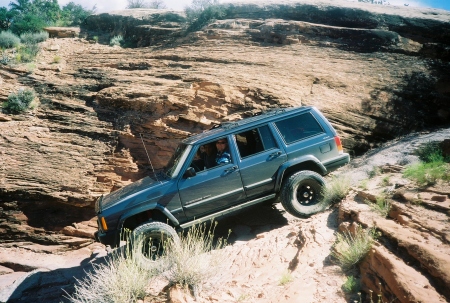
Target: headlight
x=98, y=205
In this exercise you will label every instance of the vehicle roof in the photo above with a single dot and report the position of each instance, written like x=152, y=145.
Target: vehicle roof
x=226, y=128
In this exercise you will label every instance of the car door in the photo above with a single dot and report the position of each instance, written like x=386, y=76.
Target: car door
x=260, y=156
x=212, y=188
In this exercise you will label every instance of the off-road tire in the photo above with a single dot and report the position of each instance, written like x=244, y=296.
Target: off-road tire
x=154, y=237
x=301, y=194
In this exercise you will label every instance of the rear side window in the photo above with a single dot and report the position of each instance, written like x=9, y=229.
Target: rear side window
x=299, y=127
x=255, y=141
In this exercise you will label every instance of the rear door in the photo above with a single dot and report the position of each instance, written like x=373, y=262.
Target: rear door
x=260, y=156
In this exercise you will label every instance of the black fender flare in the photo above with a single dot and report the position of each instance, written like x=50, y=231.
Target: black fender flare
x=297, y=161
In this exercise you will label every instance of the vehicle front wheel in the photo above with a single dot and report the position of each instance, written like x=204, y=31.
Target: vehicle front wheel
x=149, y=240
x=301, y=194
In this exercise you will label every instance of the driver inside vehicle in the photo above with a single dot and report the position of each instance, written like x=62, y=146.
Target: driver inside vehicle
x=211, y=155
x=223, y=155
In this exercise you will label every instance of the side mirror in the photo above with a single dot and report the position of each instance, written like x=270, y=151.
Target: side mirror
x=190, y=172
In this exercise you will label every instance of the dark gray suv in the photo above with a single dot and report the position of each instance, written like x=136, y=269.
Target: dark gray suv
x=281, y=153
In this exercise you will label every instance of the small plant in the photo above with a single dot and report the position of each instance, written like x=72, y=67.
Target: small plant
x=116, y=40
x=120, y=279
x=201, y=12
x=286, y=278
x=8, y=40
x=430, y=152
x=4, y=59
x=336, y=189
x=95, y=38
x=19, y=102
x=195, y=259
x=363, y=184
x=56, y=59
x=374, y=172
x=31, y=67
x=381, y=205
x=33, y=38
x=351, y=285
x=26, y=53
x=385, y=181
x=349, y=249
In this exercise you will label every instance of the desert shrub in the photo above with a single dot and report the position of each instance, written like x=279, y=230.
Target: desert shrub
x=430, y=152
x=119, y=279
x=373, y=172
x=202, y=12
x=428, y=173
x=381, y=205
x=155, y=4
x=19, y=102
x=8, y=40
x=5, y=59
x=336, y=189
x=33, y=38
x=432, y=168
x=349, y=249
x=195, y=259
x=286, y=278
x=56, y=59
x=351, y=285
x=116, y=40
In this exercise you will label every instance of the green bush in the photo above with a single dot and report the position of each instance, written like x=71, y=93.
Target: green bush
x=27, y=53
x=19, y=102
x=33, y=38
x=120, y=279
x=336, y=190
x=116, y=40
x=430, y=152
x=349, y=249
x=202, y=12
x=351, y=285
x=195, y=259
x=381, y=205
x=428, y=173
x=8, y=40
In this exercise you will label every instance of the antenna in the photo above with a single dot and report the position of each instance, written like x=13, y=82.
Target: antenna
x=142, y=139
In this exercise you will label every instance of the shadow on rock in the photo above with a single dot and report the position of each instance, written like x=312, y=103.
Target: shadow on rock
x=52, y=286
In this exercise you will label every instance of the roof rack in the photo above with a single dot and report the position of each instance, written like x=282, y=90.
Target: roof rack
x=233, y=124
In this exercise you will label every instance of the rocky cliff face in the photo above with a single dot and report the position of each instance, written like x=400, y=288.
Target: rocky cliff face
x=375, y=72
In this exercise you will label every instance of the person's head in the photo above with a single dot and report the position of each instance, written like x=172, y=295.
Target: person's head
x=222, y=144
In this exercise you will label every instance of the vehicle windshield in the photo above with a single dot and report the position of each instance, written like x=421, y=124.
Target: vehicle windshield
x=171, y=167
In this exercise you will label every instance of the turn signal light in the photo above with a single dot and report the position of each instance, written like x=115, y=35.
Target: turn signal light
x=338, y=144
x=104, y=226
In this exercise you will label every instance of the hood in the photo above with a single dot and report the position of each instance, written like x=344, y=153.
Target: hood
x=131, y=189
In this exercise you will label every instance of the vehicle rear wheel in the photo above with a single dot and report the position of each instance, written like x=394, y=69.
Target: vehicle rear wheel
x=301, y=194
x=149, y=241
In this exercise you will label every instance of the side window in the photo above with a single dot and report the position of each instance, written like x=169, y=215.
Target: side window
x=255, y=141
x=298, y=127
x=211, y=155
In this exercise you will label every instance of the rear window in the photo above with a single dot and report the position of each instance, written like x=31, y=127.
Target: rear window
x=298, y=128
x=255, y=141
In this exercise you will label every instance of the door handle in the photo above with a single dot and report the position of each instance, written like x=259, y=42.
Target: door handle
x=275, y=154
x=231, y=169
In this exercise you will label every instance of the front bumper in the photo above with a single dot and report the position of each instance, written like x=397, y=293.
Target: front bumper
x=110, y=238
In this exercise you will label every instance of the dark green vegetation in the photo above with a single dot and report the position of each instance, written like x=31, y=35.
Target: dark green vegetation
x=434, y=165
x=19, y=102
x=33, y=15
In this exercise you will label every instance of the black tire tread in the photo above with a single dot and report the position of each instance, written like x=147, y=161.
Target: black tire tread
x=288, y=195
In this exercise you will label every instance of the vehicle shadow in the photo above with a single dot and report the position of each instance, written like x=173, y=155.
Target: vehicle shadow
x=248, y=223
x=52, y=286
